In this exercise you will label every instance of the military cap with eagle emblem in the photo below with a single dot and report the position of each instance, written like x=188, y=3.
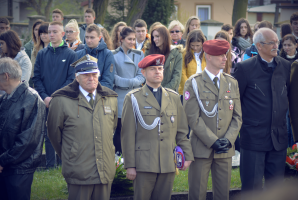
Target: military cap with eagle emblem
x=85, y=65
x=152, y=60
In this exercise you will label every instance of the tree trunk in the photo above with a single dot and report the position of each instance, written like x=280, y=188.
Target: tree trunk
x=36, y=6
x=239, y=10
x=100, y=8
x=47, y=9
x=136, y=11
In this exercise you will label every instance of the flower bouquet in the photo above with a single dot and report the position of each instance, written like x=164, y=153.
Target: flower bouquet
x=292, y=160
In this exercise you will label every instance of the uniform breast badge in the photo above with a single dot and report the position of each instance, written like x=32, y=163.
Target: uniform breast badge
x=231, y=104
x=172, y=119
x=207, y=103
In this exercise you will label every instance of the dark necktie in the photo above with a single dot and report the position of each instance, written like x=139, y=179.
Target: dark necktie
x=215, y=82
x=91, y=99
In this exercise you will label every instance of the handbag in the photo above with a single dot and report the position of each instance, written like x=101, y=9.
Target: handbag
x=179, y=158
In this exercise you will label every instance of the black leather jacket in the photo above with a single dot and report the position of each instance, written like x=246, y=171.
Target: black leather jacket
x=22, y=126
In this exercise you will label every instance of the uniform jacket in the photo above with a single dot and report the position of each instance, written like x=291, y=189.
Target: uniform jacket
x=52, y=69
x=22, y=127
x=83, y=32
x=24, y=61
x=147, y=150
x=190, y=70
x=105, y=62
x=83, y=136
x=293, y=96
x=204, y=130
x=172, y=68
x=264, y=100
x=127, y=73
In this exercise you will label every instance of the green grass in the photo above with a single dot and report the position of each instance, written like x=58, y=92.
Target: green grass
x=48, y=185
x=51, y=184
x=181, y=181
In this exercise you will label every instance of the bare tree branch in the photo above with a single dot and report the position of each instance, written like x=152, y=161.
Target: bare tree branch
x=100, y=8
x=36, y=6
x=136, y=11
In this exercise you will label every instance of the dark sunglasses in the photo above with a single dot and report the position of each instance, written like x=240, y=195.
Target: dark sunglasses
x=175, y=31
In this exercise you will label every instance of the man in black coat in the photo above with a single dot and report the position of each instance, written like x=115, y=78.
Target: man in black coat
x=22, y=126
x=263, y=85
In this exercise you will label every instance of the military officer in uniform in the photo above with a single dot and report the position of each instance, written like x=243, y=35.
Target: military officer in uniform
x=212, y=105
x=153, y=123
x=81, y=122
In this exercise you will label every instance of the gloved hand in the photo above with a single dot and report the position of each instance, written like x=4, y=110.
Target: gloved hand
x=225, y=141
x=218, y=145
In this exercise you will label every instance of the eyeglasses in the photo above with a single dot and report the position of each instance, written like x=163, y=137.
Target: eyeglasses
x=70, y=32
x=175, y=31
x=271, y=43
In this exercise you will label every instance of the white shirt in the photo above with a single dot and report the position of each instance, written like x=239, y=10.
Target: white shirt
x=198, y=60
x=85, y=93
x=139, y=45
x=211, y=76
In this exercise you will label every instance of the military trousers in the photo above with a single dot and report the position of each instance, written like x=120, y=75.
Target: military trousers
x=89, y=192
x=198, y=174
x=153, y=186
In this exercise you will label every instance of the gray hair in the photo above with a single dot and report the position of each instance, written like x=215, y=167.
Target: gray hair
x=259, y=35
x=10, y=66
x=176, y=23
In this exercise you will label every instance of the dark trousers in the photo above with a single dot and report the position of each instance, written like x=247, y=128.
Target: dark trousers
x=117, y=138
x=254, y=165
x=51, y=156
x=15, y=187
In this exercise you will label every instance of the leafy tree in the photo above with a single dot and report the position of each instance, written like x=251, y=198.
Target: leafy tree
x=239, y=10
x=158, y=11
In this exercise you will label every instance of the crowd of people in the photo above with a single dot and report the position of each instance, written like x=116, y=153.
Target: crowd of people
x=88, y=94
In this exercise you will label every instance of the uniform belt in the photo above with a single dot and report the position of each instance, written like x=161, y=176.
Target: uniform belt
x=126, y=88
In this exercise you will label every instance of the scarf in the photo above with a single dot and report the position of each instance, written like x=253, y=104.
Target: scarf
x=244, y=43
x=73, y=45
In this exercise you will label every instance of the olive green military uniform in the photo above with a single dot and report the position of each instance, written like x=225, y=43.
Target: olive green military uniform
x=82, y=136
x=151, y=151
x=206, y=130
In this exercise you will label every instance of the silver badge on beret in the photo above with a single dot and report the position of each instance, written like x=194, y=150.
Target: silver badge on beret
x=172, y=119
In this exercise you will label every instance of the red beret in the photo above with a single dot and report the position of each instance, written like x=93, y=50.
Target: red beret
x=216, y=47
x=152, y=60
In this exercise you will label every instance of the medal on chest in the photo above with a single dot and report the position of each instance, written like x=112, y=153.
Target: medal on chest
x=172, y=119
x=231, y=104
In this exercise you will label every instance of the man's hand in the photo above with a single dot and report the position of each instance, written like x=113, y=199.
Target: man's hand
x=131, y=173
x=1, y=168
x=47, y=101
x=186, y=165
x=218, y=146
x=226, y=142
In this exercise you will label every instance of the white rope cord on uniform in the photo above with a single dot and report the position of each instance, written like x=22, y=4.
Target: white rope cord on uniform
x=207, y=113
x=138, y=115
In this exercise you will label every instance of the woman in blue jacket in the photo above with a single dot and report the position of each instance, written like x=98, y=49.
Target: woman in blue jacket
x=128, y=75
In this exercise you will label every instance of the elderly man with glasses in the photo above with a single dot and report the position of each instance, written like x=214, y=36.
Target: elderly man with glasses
x=263, y=86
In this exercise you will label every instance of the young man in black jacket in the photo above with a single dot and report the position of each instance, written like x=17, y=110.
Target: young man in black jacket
x=22, y=124
x=263, y=86
x=52, y=71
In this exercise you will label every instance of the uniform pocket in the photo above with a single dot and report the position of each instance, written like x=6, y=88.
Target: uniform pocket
x=73, y=151
x=143, y=157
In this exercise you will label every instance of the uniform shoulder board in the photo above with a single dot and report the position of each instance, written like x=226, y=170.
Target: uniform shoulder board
x=134, y=91
x=228, y=75
x=195, y=75
x=170, y=90
x=136, y=51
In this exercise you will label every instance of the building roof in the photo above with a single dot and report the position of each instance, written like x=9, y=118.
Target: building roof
x=263, y=9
